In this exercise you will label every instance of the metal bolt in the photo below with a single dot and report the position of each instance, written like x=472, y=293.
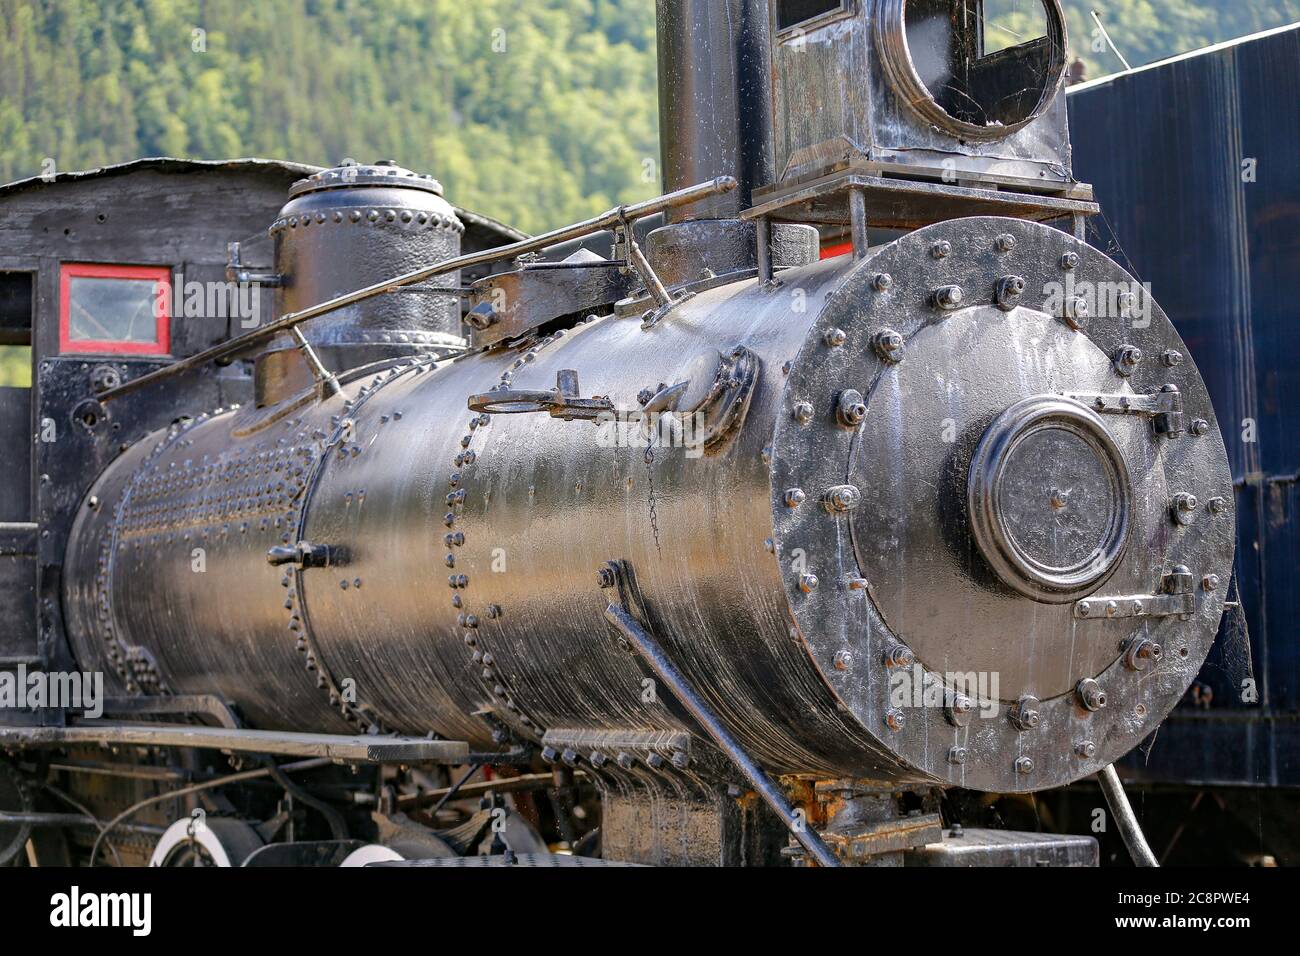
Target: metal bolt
x=959, y=710
x=1142, y=653
x=1008, y=291
x=1217, y=505
x=857, y=583
x=1086, y=749
x=1005, y=242
x=680, y=760
x=1171, y=357
x=1091, y=696
x=1024, y=765
x=842, y=499
x=882, y=282
x=1070, y=260
x=836, y=337
x=803, y=413
x=1210, y=582
x=1184, y=506
x=807, y=583
x=597, y=759
x=549, y=755
x=605, y=577
x=625, y=761
x=843, y=660
x=899, y=655
x=888, y=344
x=895, y=719
x=941, y=249
x=1127, y=358
x=957, y=755
x=794, y=497
x=1024, y=716
x=654, y=761
x=1199, y=427
x=851, y=409
x=1076, y=313
x=948, y=297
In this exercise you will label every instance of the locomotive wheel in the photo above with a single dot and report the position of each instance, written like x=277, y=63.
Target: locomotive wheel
x=14, y=798
x=220, y=842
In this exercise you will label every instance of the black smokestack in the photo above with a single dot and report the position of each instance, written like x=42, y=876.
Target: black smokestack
x=714, y=96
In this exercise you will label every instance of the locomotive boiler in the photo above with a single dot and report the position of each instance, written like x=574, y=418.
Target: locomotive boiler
x=768, y=549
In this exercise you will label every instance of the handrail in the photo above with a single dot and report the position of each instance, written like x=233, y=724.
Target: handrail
x=618, y=217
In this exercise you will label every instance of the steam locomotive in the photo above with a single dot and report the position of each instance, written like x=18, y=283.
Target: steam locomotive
x=676, y=545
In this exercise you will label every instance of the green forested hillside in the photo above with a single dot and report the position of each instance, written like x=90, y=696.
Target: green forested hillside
x=538, y=112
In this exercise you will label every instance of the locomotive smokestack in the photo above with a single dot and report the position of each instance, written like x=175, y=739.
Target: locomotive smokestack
x=714, y=79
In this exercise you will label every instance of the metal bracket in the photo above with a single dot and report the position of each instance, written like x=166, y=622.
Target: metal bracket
x=304, y=554
x=1164, y=407
x=1176, y=597
x=236, y=271
x=561, y=402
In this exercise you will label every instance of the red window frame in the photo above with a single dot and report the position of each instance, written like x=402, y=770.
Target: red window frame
x=161, y=276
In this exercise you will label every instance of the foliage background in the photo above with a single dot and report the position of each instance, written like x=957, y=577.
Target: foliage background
x=537, y=113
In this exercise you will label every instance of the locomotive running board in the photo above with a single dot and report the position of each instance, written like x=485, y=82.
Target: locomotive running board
x=360, y=749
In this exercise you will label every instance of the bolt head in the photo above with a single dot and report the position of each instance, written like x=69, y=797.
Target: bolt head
x=949, y=296
x=895, y=720
x=794, y=497
x=1087, y=749
x=1005, y=242
x=807, y=583
x=843, y=660
x=1171, y=357
x=882, y=282
x=1199, y=427
x=1024, y=765
x=1210, y=582
x=836, y=337
x=958, y=755
x=803, y=412
x=1217, y=505
x=899, y=655
x=1024, y=716
x=1070, y=260
x=941, y=249
x=1090, y=695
